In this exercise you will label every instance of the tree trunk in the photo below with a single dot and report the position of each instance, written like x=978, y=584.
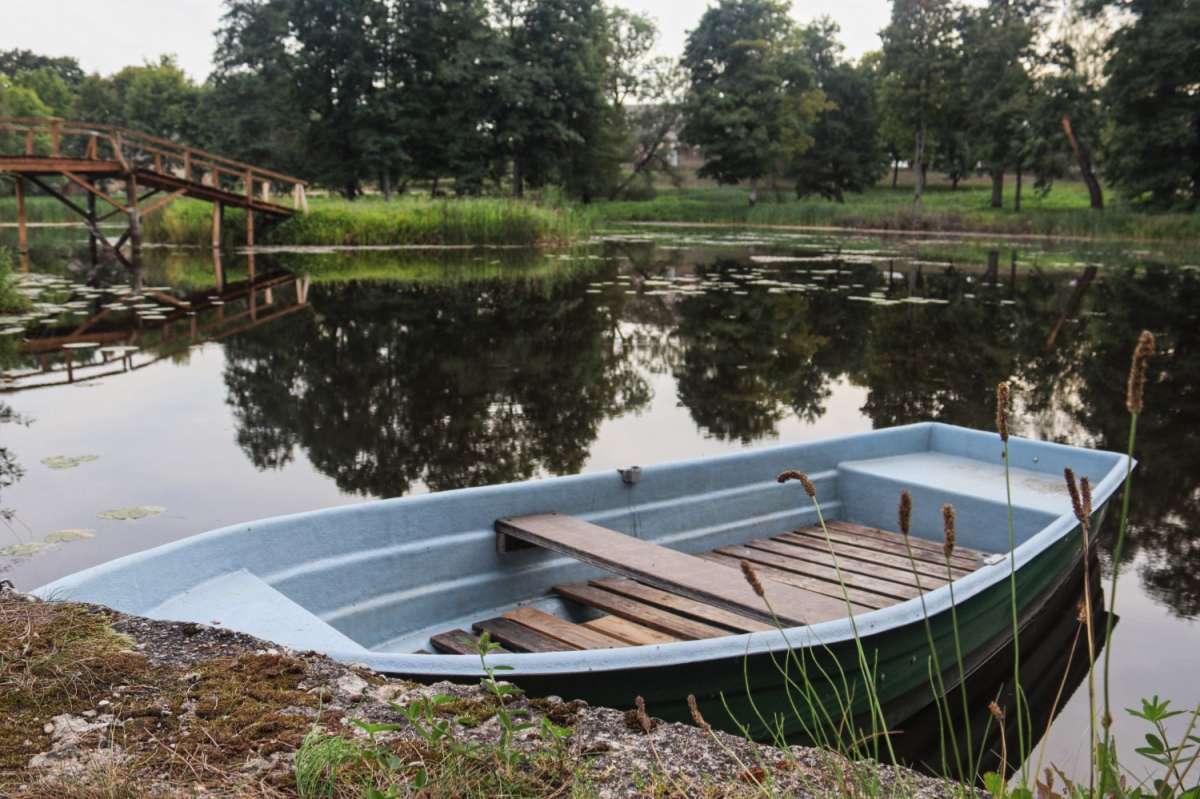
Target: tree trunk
x=1085, y=167
x=1017, y=194
x=753, y=191
x=919, y=166
x=997, y=188
x=895, y=172
x=433, y=188
x=518, y=185
x=385, y=185
x=837, y=194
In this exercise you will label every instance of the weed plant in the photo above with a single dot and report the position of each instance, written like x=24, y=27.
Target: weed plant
x=10, y=299
x=1177, y=756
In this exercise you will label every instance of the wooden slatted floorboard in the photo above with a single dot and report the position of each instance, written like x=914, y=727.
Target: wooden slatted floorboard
x=662, y=597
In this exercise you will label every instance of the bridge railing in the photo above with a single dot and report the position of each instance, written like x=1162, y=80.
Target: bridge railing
x=59, y=138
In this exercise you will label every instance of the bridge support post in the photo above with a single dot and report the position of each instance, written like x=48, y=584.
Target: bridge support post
x=249, y=226
x=22, y=232
x=218, y=217
x=93, y=244
x=135, y=229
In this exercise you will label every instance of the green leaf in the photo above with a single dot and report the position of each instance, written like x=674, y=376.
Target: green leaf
x=374, y=728
x=994, y=784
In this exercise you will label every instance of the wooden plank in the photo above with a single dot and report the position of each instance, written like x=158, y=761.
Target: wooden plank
x=969, y=558
x=680, y=604
x=889, y=553
x=561, y=630
x=860, y=599
x=862, y=561
x=894, y=584
x=670, y=570
x=795, y=572
x=451, y=642
x=629, y=632
x=518, y=637
x=639, y=612
x=851, y=569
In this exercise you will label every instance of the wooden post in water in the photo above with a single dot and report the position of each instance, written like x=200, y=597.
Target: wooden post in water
x=93, y=249
x=218, y=270
x=22, y=232
x=135, y=230
x=249, y=226
x=218, y=217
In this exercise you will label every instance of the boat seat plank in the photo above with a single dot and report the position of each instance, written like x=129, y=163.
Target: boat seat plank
x=862, y=561
x=680, y=604
x=669, y=570
x=639, y=612
x=629, y=632
x=518, y=637
x=561, y=630
x=818, y=564
x=969, y=556
x=452, y=643
x=893, y=548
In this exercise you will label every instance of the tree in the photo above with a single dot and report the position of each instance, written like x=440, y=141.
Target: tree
x=749, y=93
x=920, y=61
x=155, y=98
x=15, y=62
x=998, y=43
x=847, y=152
x=1153, y=153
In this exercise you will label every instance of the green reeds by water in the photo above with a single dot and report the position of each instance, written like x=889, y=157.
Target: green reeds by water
x=408, y=221
x=1177, y=756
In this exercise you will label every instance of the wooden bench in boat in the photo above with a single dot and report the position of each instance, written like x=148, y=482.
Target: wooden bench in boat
x=664, y=595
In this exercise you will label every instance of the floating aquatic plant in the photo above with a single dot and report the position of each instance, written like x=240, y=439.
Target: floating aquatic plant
x=67, y=461
x=63, y=536
x=126, y=514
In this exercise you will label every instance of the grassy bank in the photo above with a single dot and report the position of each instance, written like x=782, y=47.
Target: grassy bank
x=1062, y=212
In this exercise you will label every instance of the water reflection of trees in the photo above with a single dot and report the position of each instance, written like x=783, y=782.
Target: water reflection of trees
x=452, y=384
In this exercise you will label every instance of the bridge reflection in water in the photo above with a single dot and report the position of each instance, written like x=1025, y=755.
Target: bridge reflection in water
x=130, y=329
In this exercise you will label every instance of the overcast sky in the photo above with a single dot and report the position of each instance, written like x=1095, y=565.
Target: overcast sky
x=106, y=35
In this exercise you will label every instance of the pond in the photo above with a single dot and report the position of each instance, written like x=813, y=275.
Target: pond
x=283, y=381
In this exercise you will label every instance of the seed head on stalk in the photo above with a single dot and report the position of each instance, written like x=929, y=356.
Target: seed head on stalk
x=951, y=536
x=1137, y=372
x=696, y=717
x=792, y=474
x=752, y=578
x=1003, y=399
x=904, y=512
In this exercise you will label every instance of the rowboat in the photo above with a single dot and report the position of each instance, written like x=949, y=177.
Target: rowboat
x=608, y=586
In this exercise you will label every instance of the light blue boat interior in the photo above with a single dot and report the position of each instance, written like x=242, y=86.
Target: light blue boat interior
x=371, y=582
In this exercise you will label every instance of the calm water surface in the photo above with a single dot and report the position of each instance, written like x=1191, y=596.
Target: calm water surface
x=312, y=379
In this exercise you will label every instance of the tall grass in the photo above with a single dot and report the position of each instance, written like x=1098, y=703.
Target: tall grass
x=964, y=210
x=459, y=222
x=10, y=298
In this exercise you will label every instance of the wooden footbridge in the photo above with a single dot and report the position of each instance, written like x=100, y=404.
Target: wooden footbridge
x=149, y=173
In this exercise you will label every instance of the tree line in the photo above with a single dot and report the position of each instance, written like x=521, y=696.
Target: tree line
x=504, y=95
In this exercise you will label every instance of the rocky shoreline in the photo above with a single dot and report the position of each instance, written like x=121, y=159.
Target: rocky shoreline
x=97, y=702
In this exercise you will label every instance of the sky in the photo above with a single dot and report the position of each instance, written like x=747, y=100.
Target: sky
x=106, y=35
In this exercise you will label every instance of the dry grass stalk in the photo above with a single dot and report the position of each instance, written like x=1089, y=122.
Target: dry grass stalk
x=642, y=718
x=1076, y=500
x=904, y=512
x=696, y=717
x=1134, y=395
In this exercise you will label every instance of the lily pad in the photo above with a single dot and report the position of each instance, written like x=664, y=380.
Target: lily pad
x=63, y=536
x=80, y=345
x=22, y=550
x=67, y=462
x=125, y=514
